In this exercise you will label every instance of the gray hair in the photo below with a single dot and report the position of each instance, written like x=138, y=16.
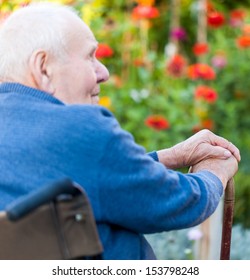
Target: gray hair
x=38, y=26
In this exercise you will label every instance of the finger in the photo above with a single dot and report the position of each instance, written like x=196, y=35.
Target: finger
x=219, y=153
x=222, y=142
x=234, y=150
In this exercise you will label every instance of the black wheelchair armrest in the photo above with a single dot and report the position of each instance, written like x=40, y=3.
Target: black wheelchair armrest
x=25, y=204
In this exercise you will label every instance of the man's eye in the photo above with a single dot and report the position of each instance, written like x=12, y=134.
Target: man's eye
x=92, y=56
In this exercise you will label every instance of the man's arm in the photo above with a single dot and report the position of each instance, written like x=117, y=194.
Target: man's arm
x=131, y=190
x=142, y=195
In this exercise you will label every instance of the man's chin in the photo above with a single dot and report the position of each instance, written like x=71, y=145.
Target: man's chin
x=95, y=99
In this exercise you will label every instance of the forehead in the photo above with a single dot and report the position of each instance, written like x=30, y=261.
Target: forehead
x=83, y=36
x=87, y=32
x=80, y=39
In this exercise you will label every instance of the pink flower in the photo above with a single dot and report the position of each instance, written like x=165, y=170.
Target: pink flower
x=194, y=234
x=178, y=34
x=237, y=17
x=219, y=61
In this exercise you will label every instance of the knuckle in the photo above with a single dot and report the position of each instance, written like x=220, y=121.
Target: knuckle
x=205, y=131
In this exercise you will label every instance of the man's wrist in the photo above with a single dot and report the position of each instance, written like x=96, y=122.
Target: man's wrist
x=168, y=158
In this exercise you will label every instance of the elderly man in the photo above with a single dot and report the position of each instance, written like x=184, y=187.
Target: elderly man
x=52, y=127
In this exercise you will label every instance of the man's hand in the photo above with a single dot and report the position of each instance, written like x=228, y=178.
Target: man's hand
x=201, y=146
x=223, y=169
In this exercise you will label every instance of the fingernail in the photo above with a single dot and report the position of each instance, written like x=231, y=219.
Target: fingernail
x=227, y=153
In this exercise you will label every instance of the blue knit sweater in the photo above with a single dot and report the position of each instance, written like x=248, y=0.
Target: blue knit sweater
x=43, y=140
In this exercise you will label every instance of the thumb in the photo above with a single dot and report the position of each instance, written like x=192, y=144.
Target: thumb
x=220, y=153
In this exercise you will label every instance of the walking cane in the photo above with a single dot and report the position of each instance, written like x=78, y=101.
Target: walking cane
x=227, y=221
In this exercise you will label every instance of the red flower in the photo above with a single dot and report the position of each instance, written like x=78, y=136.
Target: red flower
x=238, y=14
x=215, y=19
x=103, y=50
x=200, y=48
x=243, y=42
x=145, y=12
x=206, y=93
x=157, y=122
x=201, y=71
x=176, y=65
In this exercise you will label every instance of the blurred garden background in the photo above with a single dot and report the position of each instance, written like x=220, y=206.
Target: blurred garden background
x=176, y=66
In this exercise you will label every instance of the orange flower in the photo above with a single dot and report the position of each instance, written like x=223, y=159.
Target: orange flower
x=145, y=12
x=200, y=48
x=157, y=122
x=176, y=65
x=215, y=19
x=210, y=6
x=208, y=124
x=139, y=62
x=103, y=50
x=243, y=42
x=205, y=93
x=146, y=2
x=246, y=29
x=201, y=71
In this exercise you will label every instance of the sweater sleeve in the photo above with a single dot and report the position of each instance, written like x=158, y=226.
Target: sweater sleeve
x=142, y=195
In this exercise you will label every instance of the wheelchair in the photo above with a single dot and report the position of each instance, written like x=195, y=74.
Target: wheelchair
x=55, y=222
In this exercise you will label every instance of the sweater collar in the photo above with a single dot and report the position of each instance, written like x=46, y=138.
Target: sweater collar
x=22, y=89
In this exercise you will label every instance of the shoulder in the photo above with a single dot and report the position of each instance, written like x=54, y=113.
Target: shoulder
x=87, y=120
x=89, y=116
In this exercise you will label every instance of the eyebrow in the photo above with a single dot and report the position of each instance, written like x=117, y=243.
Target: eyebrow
x=94, y=44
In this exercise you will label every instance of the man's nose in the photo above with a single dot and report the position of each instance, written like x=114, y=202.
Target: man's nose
x=102, y=73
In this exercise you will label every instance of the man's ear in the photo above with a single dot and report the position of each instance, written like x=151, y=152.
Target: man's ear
x=40, y=71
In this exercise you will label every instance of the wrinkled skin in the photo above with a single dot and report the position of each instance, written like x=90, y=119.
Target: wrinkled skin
x=204, y=151
x=201, y=146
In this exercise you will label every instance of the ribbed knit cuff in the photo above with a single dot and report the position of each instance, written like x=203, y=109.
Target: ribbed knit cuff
x=154, y=155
